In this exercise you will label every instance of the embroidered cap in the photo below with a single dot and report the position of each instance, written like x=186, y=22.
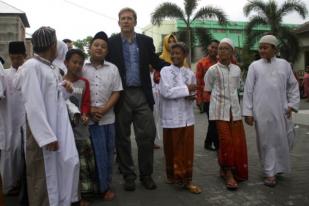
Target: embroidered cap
x=17, y=47
x=269, y=39
x=43, y=37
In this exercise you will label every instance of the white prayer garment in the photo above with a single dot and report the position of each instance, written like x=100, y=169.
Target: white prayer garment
x=13, y=111
x=175, y=110
x=62, y=50
x=48, y=119
x=1, y=81
x=269, y=90
x=2, y=120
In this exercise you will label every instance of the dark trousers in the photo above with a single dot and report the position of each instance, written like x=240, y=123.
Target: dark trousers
x=212, y=134
x=133, y=108
x=23, y=195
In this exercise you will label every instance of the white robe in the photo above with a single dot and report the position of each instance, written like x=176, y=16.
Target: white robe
x=269, y=90
x=62, y=50
x=48, y=119
x=13, y=112
x=2, y=120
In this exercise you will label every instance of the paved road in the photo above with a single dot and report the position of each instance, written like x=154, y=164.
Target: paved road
x=291, y=190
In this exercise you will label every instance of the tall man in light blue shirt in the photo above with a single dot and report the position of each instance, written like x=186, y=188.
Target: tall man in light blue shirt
x=132, y=53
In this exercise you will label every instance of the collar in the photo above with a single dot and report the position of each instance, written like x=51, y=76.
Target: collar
x=124, y=39
x=44, y=61
x=223, y=65
x=103, y=63
x=271, y=60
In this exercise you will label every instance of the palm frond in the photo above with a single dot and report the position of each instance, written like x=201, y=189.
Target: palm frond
x=293, y=5
x=190, y=6
x=255, y=5
x=167, y=10
x=253, y=37
x=204, y=37
x=289, y=47
x=254, y=21
x=211, y=12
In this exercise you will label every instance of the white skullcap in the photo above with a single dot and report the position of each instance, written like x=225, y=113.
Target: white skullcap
x=269, y=39
x=228, y=41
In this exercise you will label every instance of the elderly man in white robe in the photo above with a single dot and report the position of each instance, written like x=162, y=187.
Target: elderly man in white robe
x=51, y=157
x=271, y=94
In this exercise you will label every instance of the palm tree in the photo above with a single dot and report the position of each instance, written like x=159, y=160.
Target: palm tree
x=271, y=14
x=173, y=11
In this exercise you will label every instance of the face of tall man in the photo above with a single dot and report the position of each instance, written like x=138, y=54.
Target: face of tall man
x=127, y=22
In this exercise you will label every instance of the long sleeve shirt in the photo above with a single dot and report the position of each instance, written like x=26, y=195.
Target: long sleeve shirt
x=223, y=81
x=175, y=110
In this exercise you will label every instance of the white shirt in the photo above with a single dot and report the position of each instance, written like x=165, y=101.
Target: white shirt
x=1, y=81
x=2, y=119
x=103, y=80
x=223, y=82
x=175, y=110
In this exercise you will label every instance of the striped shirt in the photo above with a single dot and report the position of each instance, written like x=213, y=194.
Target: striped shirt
x=223, y=81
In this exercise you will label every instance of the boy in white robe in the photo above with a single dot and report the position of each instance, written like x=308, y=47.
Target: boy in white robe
x=13, y=111
x=51, y=156
x=271, y=94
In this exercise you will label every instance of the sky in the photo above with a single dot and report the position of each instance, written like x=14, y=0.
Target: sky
x=77, y=19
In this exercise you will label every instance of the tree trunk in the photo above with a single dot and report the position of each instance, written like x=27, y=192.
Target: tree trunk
x=189, y=45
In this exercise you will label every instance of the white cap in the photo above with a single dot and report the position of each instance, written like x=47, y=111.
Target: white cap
x=269, y=39
x=228, y=41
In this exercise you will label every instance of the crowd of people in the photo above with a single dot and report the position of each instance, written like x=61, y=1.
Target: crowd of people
x=63, y=116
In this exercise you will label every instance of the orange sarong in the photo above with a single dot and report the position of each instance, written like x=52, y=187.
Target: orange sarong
x=232, y=152
x=178, y=150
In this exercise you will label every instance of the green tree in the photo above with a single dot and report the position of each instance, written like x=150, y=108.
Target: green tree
x=188, y=16
x=83, y=44
x=271, y=14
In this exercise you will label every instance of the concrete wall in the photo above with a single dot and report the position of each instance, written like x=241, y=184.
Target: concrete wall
x=157, y=33
x=304, y=42
x=12, y=29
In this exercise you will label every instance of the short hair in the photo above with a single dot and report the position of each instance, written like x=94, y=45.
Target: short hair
x=127, y=9
x=67, y=41
x=214, y=41
x=180, y=45
x=71, y=52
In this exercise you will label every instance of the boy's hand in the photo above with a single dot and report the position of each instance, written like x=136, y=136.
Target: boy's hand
x=249, y=120
x=85, y=119
x=191, y=87
x=53, y=146
x=68, y=86
x=289, y=112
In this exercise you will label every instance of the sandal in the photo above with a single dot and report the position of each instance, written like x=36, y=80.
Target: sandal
x=270, y=181
x=108, y=195
x=193, y=188
x=231, y=183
